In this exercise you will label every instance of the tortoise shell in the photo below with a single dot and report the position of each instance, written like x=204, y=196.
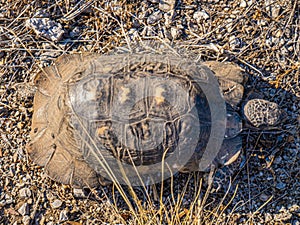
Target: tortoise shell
x=92, y=112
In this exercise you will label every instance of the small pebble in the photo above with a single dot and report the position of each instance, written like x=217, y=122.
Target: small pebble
x=234, y=42
x=8, y=199
x=277, y=160
x=23, y=210
x=26, y=220
x=63, y=216
x=280, y=185
x=273, y=8
x=169, y=17
x=154, y=17
x=166, y=5
x=56, y=203
x=41, y=13
x=79, y=193
x=46, y=28
x=30, y=201
x=25, y=193
x=175, y=32
x=263, y=197
x=243, y=4
x=75, y=32
x=200, y=15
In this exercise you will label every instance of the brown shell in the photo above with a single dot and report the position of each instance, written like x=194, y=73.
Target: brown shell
x=73, y=113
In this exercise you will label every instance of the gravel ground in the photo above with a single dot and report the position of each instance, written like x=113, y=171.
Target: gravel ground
x=262, y=36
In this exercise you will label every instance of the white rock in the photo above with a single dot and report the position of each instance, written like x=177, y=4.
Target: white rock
x=41, y=13
x=229, y=25
x=46, y=28
x=29, y=201
x=26, y=220
x=200, y=15
x=63, y=216
x=56, y=203
x=273, y=8
x=154, y=17
x=8, y=199
x=234, y=42
x=25, y=193
x=23, y=210
x=175, y=32
x=243, y=4
x=79, y=193
x=166, y=5
x=169, y=17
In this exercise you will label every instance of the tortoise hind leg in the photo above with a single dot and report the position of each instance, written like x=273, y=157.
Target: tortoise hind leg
x=231, y=80
x=226, y=70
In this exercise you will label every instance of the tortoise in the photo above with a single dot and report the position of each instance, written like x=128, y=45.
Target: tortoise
x=90, y=109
